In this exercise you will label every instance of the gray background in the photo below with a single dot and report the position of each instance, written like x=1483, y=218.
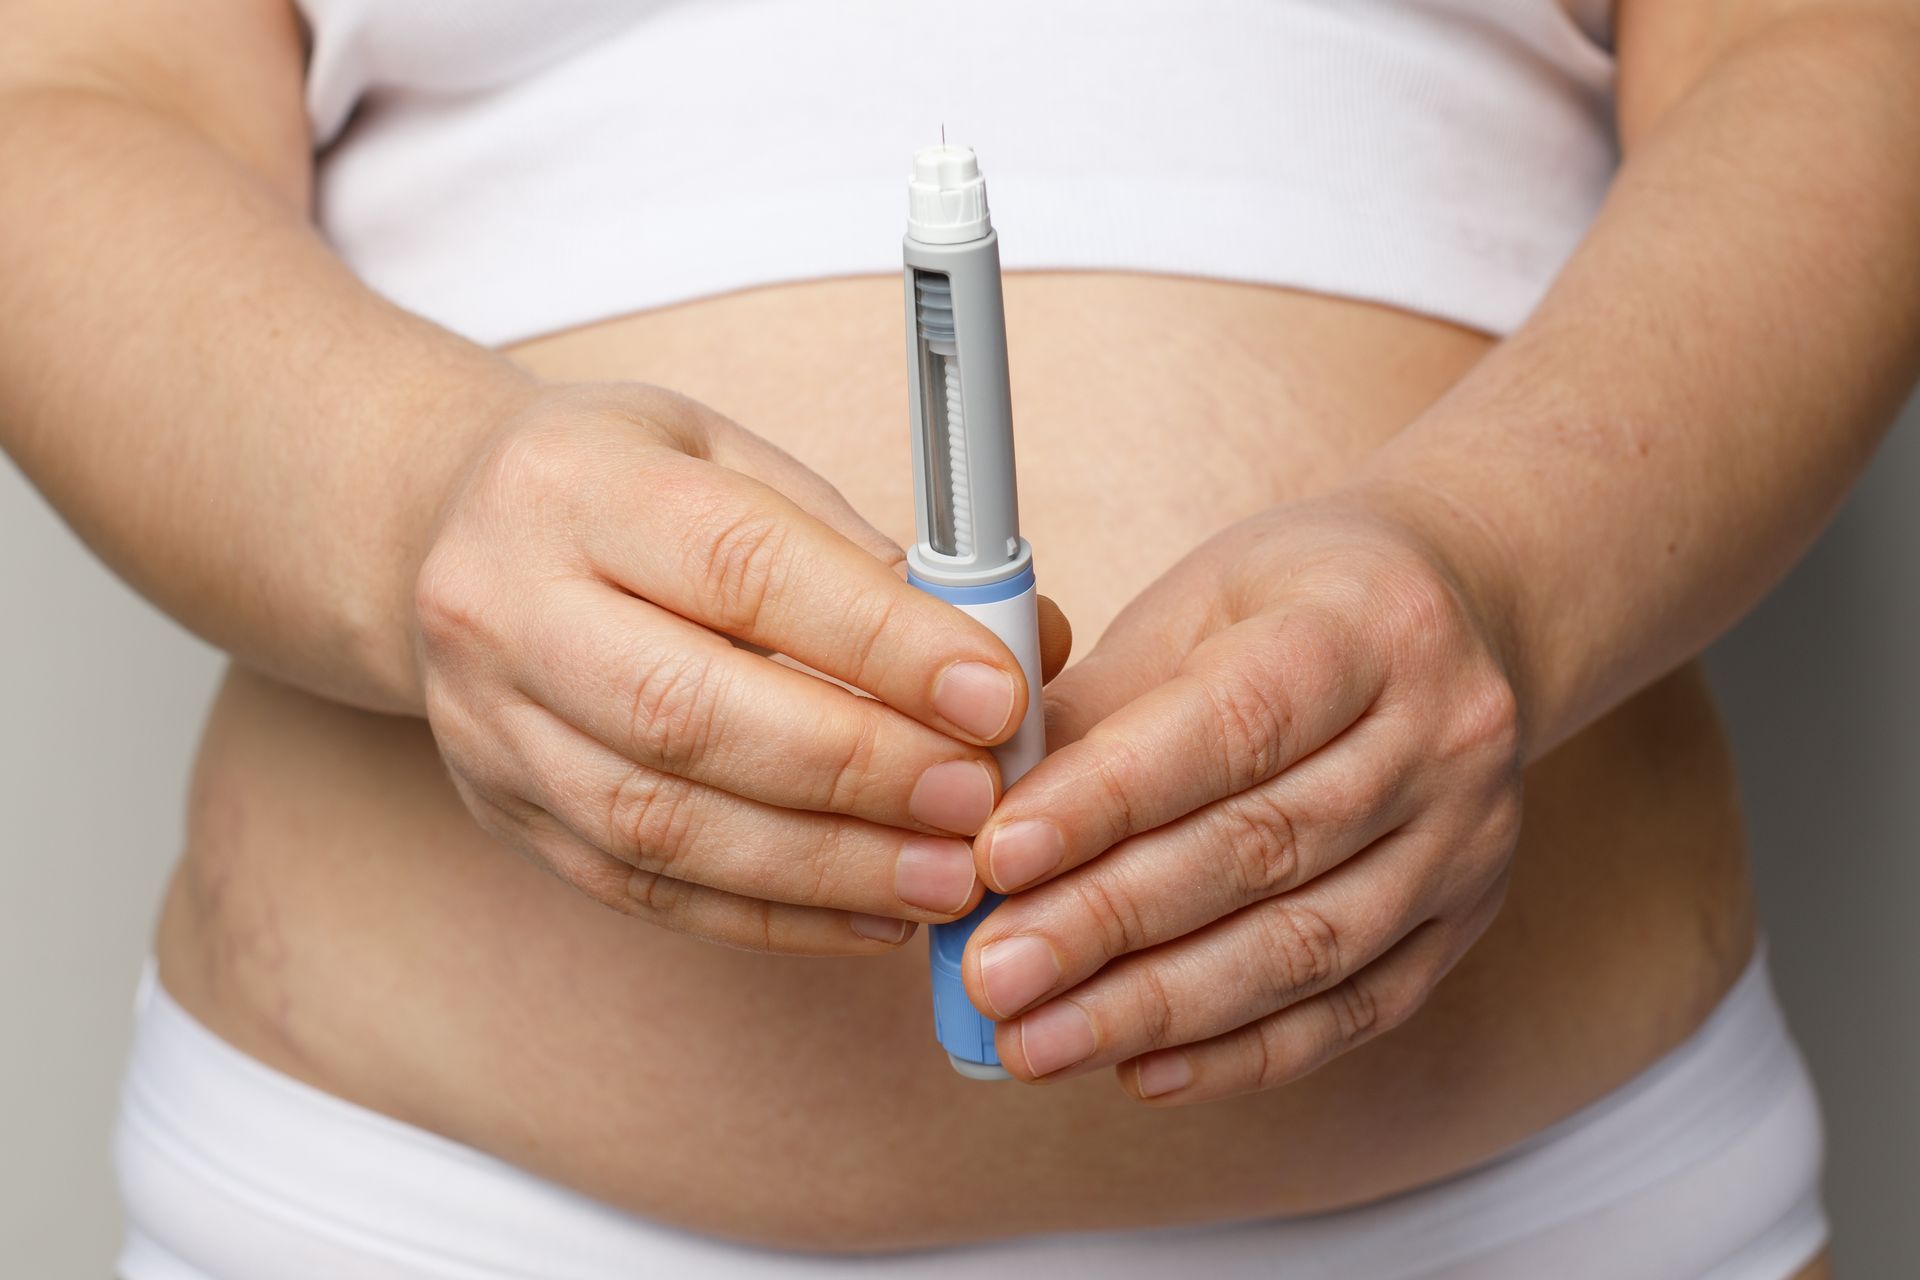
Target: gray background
x=101, y=698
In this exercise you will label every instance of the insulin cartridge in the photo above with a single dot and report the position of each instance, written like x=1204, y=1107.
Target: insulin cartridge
x=969, y=550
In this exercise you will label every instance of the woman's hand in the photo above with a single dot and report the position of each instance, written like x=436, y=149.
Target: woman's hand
x=1291, y=811
x=577, y=623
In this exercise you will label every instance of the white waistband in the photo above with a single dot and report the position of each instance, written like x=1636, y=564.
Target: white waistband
x=1705, y=1167
x=515, y=169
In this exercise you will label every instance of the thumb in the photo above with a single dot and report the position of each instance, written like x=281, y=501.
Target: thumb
x=1056, y=638
x=1126, y=663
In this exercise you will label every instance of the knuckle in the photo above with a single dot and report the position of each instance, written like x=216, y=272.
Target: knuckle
x=860, y=662
x=446, y=713
x=489, y=814
x=827, y=854
x=659, y=897
x=846, y=782
x=479, y=775
x=1262, y=844
x=1155, y=1010
x=761, y=915
x=524, y=457
x=678, y=421
x=1492, y=904
x=1401, y=1000
x=535, y=468
x=1267, y=1062
x=737, y=558
x=1356, y=1010
x=1113, y=914
x=597, y=876
x=1113, y=764
x=672, y=709
x=1302, y=950
x=783, y=931
x=760, y=927
x=1501, y=827
x=1485, y=722
x=1370, y=793
x=476, y=755
x=650, y=818
x=1422, y=606
x=1254, y=728
x=449, y=602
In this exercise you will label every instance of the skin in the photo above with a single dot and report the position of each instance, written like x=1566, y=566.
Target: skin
x=670, y=770
x=1359, y=764
x=340, y=916
x=1366, y=668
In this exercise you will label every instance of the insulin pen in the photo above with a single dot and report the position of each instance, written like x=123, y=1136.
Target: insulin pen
x=970, y=552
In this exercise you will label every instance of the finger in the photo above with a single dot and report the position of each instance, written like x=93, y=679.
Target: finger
x=748, y=923
x=1136, y=652
x=1169, y=882
x=1143, y=647
x=679, y=699
x=1239, y=969
x=768, y=462
x=1247, y=703
x=1289, y=1044
x=672, y=827
x=733, y=554
x=1056, y=638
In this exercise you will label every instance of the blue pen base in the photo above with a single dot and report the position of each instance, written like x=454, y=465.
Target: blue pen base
x=963, y=1031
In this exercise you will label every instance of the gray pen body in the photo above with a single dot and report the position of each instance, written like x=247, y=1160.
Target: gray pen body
x=975, y=318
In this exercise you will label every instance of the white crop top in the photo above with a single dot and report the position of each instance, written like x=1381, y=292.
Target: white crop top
x=513, y=167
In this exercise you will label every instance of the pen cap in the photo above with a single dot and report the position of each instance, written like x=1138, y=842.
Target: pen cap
x=946, y=196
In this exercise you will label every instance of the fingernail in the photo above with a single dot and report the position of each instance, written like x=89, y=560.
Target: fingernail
x=1055, y=1037
x=1022, y=852
x=975, y=696
x=934, y=874
x=1163, y=1073
x=1016, y=972
x=879, y=928
x=954, y=795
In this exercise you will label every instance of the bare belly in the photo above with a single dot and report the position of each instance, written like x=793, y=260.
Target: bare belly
x=339, y=916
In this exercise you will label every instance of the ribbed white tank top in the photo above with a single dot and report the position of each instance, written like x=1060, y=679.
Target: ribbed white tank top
x=514, y=167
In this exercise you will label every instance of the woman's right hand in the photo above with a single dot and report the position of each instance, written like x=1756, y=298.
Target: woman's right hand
x=594, y=622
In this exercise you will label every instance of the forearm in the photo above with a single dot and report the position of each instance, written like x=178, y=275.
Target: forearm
x=1635, y=467
x=235, y=424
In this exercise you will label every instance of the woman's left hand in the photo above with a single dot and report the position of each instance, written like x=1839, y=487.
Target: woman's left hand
x=1286, y=804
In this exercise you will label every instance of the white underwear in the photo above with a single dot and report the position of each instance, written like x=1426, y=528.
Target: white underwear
x=1704, y=1167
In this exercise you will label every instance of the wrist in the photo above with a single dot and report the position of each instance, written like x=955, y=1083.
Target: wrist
x=466, y=428
x=1480, y=566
